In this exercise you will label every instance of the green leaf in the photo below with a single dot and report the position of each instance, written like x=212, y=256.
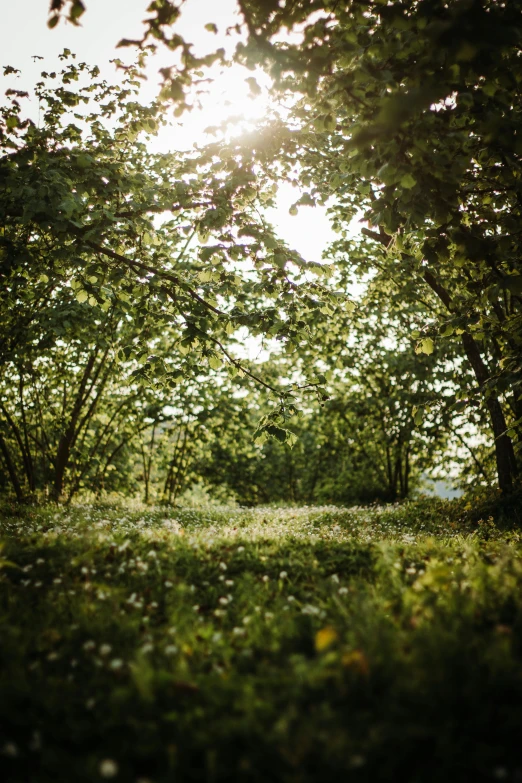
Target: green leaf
x=329, y=122
x=388, y=174
x=425, y=346
x=407, y=181
x=77, y=9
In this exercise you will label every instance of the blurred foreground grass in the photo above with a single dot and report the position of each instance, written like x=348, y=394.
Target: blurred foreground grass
x=296, y=645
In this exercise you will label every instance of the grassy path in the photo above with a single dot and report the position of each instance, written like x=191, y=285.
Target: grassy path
x=291, y=645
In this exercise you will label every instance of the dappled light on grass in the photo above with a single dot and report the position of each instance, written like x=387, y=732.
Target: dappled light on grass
x=282, y=644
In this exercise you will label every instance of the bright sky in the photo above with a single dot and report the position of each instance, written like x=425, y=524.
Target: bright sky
x=25, y=34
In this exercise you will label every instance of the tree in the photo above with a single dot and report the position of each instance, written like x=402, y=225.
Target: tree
x=410, y=114
x=381, y=429
x=149, y=243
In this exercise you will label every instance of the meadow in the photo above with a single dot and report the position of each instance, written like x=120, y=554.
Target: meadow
x=299, y=644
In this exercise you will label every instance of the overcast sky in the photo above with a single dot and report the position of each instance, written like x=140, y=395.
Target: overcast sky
x=105, y=22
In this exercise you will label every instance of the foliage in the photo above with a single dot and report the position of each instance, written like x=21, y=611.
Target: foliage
x=99, y=272
x=401, y=114
x=359, y=446
x=407, y=111
x=266, y=644
x=408, y=116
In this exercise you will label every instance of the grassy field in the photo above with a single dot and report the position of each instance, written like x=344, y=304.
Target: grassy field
x=296, y=645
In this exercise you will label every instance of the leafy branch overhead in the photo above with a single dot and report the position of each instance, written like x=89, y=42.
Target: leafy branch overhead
x=85, y=204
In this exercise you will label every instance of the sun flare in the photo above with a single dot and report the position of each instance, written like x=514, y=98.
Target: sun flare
x=236, y=103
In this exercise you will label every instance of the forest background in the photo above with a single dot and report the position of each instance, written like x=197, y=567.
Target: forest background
x=164, y=329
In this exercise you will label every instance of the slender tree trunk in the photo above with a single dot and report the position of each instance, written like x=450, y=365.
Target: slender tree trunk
x=28, y=458
x=147, y=463
x=145, y=475
x=171, y=465
x=11, y=470
x=176, y=477
x=396, y=476
x=389, y=471
x=63, y=452
x=18, y=437
x=291, y=476
x=75, y=486
x=507, y=468
x=504, y=453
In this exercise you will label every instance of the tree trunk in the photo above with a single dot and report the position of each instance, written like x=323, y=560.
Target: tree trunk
x=63, y=452
x=11, y=470
x=504, y=453
x=18, y=437
x=507, y=468
x=176, y=477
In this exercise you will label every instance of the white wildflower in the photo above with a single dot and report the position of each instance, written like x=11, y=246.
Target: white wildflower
x=108, y=768
x=309, y=609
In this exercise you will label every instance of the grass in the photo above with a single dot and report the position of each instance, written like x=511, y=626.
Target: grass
x=296, y=645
